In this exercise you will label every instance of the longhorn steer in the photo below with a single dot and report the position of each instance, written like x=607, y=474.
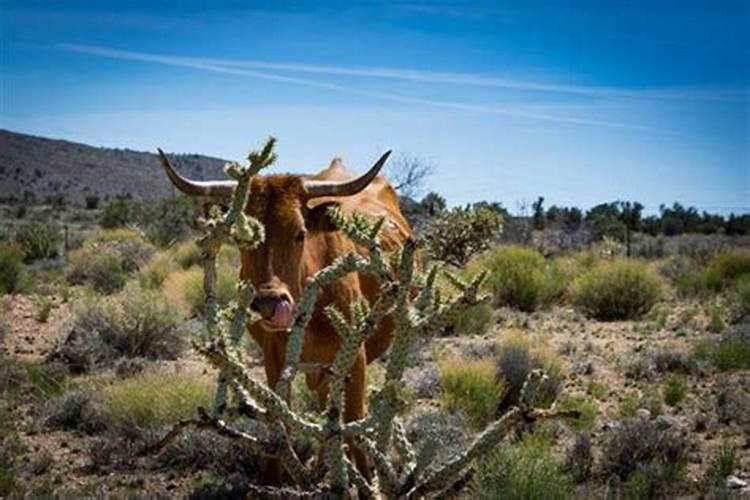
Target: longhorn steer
x=301, y=240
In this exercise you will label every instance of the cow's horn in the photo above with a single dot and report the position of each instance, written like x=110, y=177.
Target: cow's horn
x=213, y=189
x=344, y=188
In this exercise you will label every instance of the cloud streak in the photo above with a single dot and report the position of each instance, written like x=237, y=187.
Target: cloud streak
x=224, y=67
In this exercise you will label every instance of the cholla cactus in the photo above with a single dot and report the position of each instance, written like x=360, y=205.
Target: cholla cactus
x=414, y=302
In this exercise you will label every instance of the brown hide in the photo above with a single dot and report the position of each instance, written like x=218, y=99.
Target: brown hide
x=279, y=201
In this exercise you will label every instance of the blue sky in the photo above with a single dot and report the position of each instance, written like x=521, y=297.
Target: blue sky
x=582, y=103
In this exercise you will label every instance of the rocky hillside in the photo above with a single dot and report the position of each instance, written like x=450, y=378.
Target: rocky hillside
x=40, y=167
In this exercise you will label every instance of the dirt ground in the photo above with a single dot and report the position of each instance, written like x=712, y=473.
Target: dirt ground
x=593, y=354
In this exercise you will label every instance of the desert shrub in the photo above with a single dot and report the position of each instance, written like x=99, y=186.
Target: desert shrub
x=103, y=270
x=133, y=323
x=185, y=288
x=618, y=290
x=471, y=386
x=724, y=269
x=187, y=254
x=77, y=409
x=473, y=320
x=731, y=352
x=131, y=244
x=12, y=268
x=106, y=260
x=449, y=430
x=202, y=450
x=517, y=356
x=40, y=238
x=739, y=301
x=119, y=212
x=671, y=360
x=588, y=411
x=456, y=235
x=521, y=278
x=658, y=455
x=156, y=271
x=526, y=470
x=155, y=398
x=169, y=220
x=675, y=389
x=579, y=459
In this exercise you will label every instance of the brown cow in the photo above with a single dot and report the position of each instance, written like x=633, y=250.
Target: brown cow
x=300, y=240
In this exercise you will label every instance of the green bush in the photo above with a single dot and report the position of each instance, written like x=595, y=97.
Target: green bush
x=456, y=235
x=724, y=269
x=527, y=470
x=471, y=387
x=92, y=202
x=169, y=220
x=106, y=272
x=521, y=278
x=588, y=411
x=12, y=268
x=474, y=320
x=617, y=290
x=517, y=357
x=187, y=254
x=739, y=301
x=40, y=239
x=119, y=212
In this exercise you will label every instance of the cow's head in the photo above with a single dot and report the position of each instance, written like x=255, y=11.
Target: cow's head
x=293, y=209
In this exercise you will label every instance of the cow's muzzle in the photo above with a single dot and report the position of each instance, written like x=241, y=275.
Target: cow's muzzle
x=276, y=310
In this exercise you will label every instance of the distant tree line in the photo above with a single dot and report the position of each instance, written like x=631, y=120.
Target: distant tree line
x=617, y=219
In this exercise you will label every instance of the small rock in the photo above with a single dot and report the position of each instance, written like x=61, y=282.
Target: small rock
x=667, y=421
x=643, y=414
x=735, y=483
x=610, y=426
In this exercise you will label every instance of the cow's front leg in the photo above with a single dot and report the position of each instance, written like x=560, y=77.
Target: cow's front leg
x=273, y=361
x=356, y=405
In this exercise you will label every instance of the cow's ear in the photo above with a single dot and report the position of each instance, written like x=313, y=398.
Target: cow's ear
x=317, y=218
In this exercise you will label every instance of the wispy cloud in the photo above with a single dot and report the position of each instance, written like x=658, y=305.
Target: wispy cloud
x=475, y=80
x=220, y=66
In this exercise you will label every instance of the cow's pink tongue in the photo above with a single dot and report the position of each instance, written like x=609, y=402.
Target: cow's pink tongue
x=282, y=314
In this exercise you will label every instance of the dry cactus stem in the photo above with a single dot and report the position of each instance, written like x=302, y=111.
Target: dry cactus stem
x=401, y=471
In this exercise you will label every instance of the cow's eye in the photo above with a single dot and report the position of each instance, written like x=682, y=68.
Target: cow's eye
x=301, y=235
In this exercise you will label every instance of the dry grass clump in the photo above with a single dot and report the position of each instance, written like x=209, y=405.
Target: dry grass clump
x=617, y=290
x=156, y=271
x=134, y=323
x=155, y=398
x=184, y=288
x=517, y=356
x=521, y=278
x=471, y=386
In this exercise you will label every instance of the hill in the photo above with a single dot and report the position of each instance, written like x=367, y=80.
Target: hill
x=36, y=168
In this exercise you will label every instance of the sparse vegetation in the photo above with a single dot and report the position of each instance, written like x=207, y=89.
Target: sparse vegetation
x=526, y=470
x=674, y=390
x=619, y=290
